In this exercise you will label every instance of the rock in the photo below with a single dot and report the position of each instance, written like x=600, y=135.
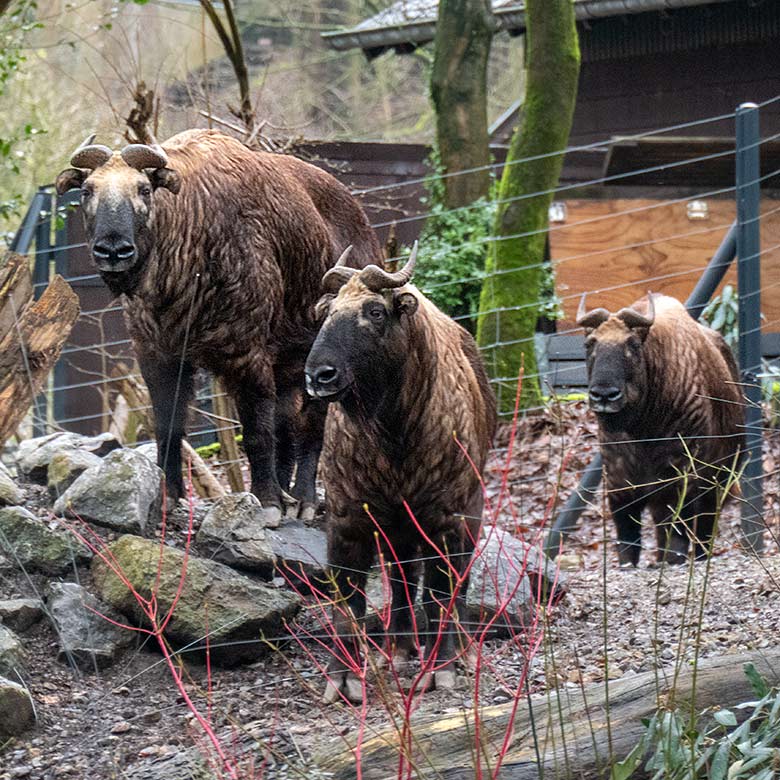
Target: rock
x=20, y=614
x=122, y=492
x=234, y=532
x=65, y=467
x=234, y=610
x=11, y=652
x=499, y=576
x=181, y=765
x=299, y=547
x=16, y=708
x=34, y=455
x=10, y=493
x=86, y=637
x=148, y=450
x=29, y=541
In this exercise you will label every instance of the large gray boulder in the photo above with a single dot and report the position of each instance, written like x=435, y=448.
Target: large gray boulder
x=11, y=653
x=65, y=467
x=30, y=541
x=10, y=493
x=123, y=492
x=34, y=455
x=20, y=614
x=301, y=552
x=234, y=532
x=84, y=631
x=16, y=708
x=233, y=610
x=511, y=576
x=499, y=579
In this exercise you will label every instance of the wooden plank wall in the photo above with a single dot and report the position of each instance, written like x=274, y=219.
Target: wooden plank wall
x=617, y=250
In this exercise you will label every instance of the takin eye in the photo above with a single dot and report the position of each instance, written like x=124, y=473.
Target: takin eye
x=86, y=194
x=145, y=190
x=376, y=313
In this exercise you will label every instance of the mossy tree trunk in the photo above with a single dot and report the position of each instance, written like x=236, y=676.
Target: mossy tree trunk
x=464, y=31
x=509, y=303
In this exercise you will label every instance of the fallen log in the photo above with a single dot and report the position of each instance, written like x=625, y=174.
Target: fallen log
x=563, y=736
x=33, y=340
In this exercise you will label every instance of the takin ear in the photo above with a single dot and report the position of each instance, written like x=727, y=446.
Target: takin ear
x=70, y=179
x=322, y=306
x=406, y=303
x=167, y=178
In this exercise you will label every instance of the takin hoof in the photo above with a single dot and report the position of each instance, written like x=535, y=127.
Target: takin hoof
x=272, y=516
x=299, y=511
x=399, y=663
x=440, y=680
x=343, y=685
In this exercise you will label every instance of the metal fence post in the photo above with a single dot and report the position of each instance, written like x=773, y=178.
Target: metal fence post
x=748, y=193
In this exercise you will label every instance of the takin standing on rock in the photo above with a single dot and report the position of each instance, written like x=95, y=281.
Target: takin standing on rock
x=666, y=393
x=219, y=251
x=408, y=395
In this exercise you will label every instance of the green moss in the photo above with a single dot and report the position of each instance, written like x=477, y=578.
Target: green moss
x=510, y=301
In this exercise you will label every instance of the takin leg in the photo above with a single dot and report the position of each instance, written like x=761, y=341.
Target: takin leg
x=671, y=536
x=404, y=575
x=170, y=386
x=626, y=506
x=350, y=555
x=703, y=524
x=256, y=405
x=441, y=579
x=286, y=413
x=309, y=445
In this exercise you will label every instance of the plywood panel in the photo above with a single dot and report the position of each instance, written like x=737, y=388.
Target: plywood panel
x=617, y=250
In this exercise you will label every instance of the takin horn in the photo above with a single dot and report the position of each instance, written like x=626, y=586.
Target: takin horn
x=377, y=279
x=590, y=319
x=634, y=319
x=90, y=156
x=140, y=156
x=340, y=274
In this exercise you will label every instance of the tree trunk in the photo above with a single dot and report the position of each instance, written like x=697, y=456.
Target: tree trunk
x=464, y=31
x=509, y=303
x=31, y=345
x=567, y=736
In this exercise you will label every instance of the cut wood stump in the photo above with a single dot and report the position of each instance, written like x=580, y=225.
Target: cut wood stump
x=577, y=735
x=31, y=337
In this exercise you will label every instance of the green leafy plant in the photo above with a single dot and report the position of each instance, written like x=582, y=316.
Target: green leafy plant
x=722, y=314
x=719, y=747
x=451, y=260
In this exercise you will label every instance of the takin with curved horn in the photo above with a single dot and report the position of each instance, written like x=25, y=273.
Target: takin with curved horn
x=401, y=377
x=218, y=252
x=666, y=393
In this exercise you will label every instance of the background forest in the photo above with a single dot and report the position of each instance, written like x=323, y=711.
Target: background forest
x=70, y=68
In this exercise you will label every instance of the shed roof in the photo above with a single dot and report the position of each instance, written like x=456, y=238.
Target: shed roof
x=410, y=23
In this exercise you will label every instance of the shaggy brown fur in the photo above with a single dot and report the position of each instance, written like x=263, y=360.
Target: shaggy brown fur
x=681, y=392
x=390, y=438
x=228, y=282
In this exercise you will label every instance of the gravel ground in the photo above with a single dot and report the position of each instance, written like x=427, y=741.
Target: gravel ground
x=129, y=721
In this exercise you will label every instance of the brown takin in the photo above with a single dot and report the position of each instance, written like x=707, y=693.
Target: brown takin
x=666, y=393
x=219, y=252
x=407, y=390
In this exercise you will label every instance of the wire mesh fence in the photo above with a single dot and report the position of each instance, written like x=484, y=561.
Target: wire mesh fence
x=603, y=243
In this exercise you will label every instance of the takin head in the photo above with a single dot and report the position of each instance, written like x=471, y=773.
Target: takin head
x=615, y=360
x=361, y=344
x=117, y=200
